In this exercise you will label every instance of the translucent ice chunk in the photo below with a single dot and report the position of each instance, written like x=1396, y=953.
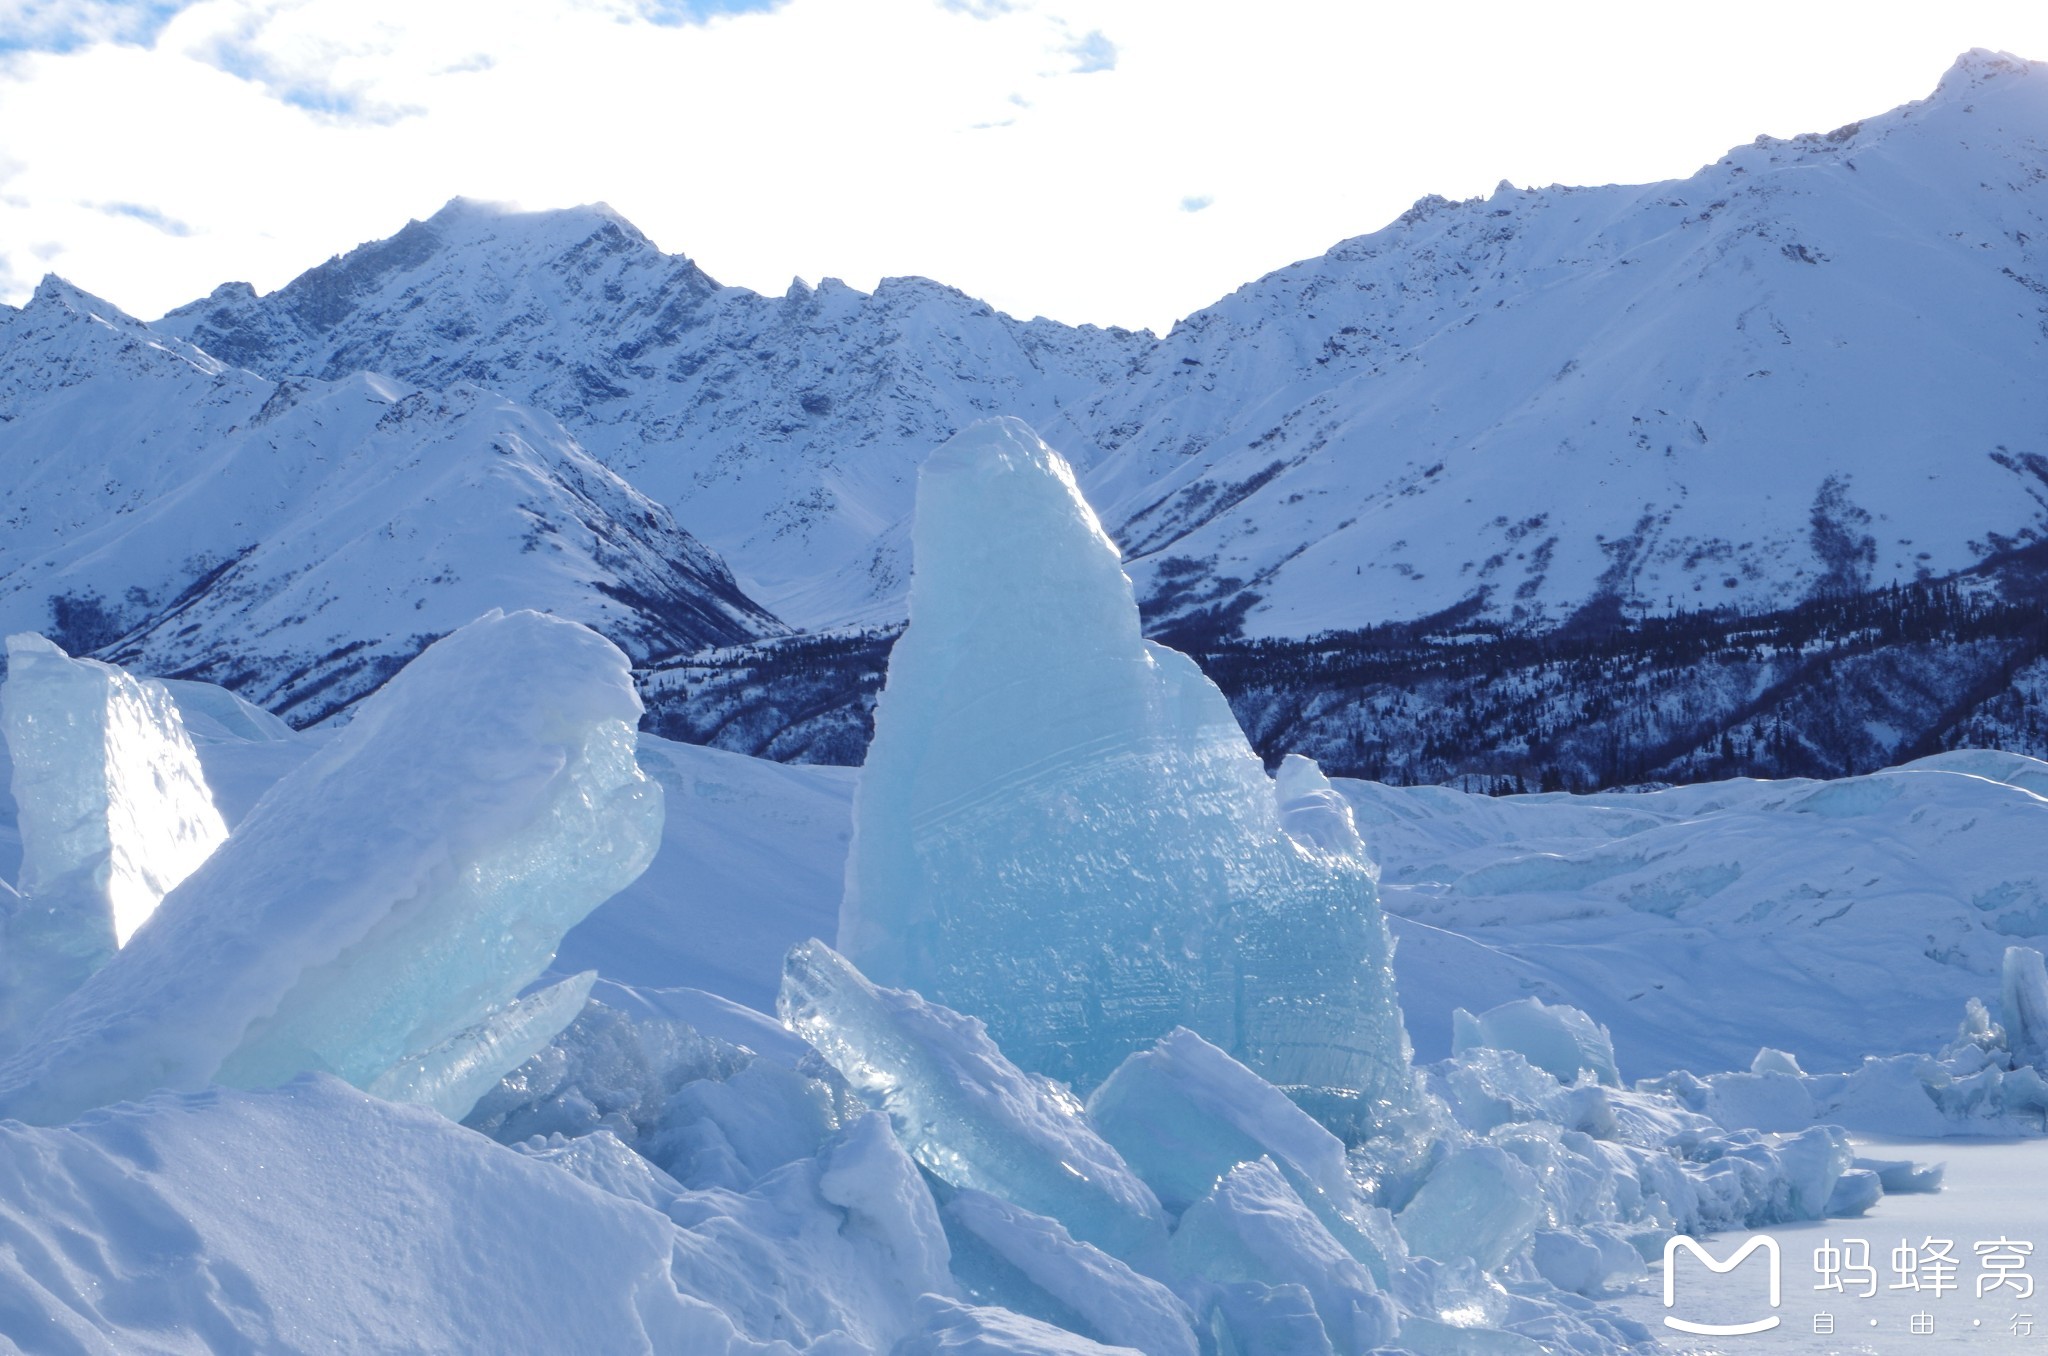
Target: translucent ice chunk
x=964, y=1112
x=114, y=812
x=394, y=890
x=1560, y=1040
x=1253, y=1230
x=1060, y=828
x=1184, y=1113
x=1480, y=1203
x=451, y=1076
x=2023, y=1006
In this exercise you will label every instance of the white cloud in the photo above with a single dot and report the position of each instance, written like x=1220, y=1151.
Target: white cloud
x=952, y=138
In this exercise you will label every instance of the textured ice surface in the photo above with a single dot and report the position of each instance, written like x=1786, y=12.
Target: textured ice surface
x=966, y=1114
x=1183, y=1114
x=1060, y=828
x=2023, y=1006
x=451, y=1076
x=1033, y=1265
x=1481, y=1203
x=388, y=894
x=113, y=812
x=1560, y=1040
x=1252, y=1235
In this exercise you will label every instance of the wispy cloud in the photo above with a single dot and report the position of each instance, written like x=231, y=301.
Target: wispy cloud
x=67, y=25
x=148, y=216
x=1092, y=52
x=675, y=13
x=831, y=138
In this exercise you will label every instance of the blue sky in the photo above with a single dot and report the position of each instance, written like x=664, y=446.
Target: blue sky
x=1116, y=161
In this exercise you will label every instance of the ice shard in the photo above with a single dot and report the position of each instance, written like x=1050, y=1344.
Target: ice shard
x=966, y=1114
x=454, y=1074
x=395, y=890
x=114, y=812
x=1061, y=829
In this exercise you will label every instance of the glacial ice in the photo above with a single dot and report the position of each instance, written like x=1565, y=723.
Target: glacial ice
x=1031, y=1264
x=1251, y=1235
x=392, y=892
x=968, y=1115
x=1982, y=1082
x=1060, y=828
x=454, y=1074
x=1559, y=1039
x=1481, y=1202
x=2023, y=1006
x=114, y=812
x=1183, y=1113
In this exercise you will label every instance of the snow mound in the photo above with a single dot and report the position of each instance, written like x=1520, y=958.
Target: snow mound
x=353, y=1224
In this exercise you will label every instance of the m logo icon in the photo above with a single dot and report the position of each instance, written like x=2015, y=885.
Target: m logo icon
x=1671, y=1249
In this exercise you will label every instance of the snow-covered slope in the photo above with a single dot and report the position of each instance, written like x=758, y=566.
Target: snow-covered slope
x=1813, y=364
x=300, y=540
x=784, y=430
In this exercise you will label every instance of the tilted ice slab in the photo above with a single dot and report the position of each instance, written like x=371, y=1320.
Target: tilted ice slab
x=1060, y=828
x=968, y=1115
x=114, y=812
x=393, y=892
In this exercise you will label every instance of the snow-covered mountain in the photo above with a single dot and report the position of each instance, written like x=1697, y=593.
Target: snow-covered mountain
x=301, y=540
x=784, y=430
x=1809, y=371
x=1811, y=366
x=1814, y=365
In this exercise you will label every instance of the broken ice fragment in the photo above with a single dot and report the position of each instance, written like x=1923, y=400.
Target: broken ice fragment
x=1253, y=1230
x=114, y=812
x=1061, y=830
x=1481, y=1203
x=396, y=888
x=1556, y=1038
x=966, y=1114
x=1184, y=1113
x=1106, y=1299
x=451, y=1076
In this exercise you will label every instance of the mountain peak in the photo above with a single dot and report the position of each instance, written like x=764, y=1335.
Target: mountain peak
x=54, y=291
x=1981, y=65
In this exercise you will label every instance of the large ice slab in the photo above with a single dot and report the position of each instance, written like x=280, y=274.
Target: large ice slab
x=1061, y=829
x=114, y=812
x=966, y=1114
x=393, y=891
